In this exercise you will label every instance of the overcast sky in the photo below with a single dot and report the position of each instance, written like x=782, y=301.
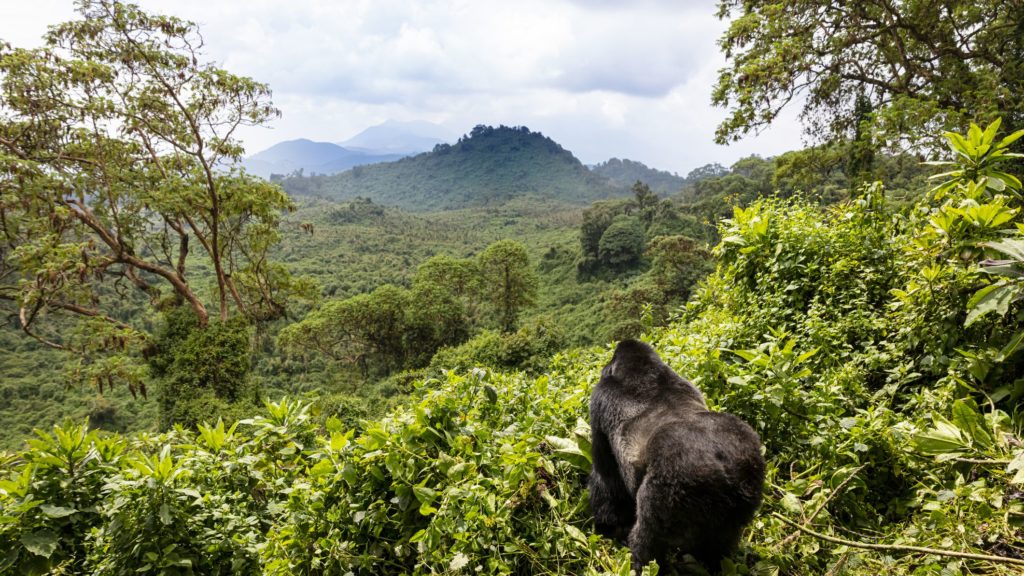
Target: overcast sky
x=604, y=78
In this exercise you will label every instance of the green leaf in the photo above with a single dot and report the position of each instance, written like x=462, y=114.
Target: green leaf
x=791, y=503
x=974, y=135
x=1005, y=142
x=748, y=355
x=801, y=358
x=968, y=418
x=321, y=468
x=958, y=144
x=576, y=534
x=423, y=494
x=165, y=514
x=992, y=298
x=1012, y=247
x=1012, y=346
x=944, y=438
x=569, y=450
x=491, y=393
x=990, y=131
x=1016, y=467
x=41, y=543
x=57, y=511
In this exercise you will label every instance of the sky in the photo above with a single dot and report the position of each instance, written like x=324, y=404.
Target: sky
x=603, y=78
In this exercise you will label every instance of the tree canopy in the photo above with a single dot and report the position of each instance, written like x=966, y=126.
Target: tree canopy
x=116, y=146
x=907, y=67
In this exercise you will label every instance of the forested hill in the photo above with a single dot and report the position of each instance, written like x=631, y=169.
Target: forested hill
x=487, y=167
x=626, y=172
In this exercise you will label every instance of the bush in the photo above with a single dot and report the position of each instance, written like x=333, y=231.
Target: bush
x=529, y=348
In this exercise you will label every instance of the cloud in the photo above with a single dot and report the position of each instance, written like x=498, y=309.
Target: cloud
x=603, y=78
x=394, y=50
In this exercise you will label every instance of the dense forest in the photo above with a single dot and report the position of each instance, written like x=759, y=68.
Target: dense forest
x=388, y=370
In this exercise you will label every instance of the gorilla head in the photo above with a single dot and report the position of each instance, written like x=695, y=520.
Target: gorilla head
x=668, y=472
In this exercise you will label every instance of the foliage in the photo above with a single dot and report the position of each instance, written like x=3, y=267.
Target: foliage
x=508, y=281
x=622, y=243
x=529, y=348
x=891, y=432
x=978, y=156
x=822, y=173
x=916, y=67
x=204, y=371
x=623, y=173
x=112, y=141
x=394, y=328
x=614, y=233
x=487, y=167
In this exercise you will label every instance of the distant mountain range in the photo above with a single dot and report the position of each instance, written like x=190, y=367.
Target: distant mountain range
x=382, y=143
x=310, y=157
x=405, y=138
x=487, y=167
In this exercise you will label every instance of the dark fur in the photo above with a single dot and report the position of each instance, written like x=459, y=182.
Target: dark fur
x=667, y=471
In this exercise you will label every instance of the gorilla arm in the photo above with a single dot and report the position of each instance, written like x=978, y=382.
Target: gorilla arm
x=611, y=503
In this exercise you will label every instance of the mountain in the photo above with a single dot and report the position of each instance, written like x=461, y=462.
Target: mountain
x=308, y=156
x=394, y=137
x=487, y=167
x=626, y=172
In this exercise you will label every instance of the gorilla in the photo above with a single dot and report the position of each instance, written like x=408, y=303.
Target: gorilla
x=668, y=472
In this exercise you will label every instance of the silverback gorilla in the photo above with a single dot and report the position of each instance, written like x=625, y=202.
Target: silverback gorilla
x=666, y=470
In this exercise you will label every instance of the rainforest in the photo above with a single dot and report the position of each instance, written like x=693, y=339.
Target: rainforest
x=386, y=367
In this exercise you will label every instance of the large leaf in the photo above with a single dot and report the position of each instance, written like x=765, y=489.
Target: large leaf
x=968, y=419
x=569, y=451
x=41, y=543
x=992, y=298
x=944, y=438
x=1012, y=247
x=56, y=511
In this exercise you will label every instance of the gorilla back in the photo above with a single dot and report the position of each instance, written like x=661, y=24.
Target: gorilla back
x=668, y=472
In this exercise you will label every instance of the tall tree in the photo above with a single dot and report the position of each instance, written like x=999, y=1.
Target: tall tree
x=116, y=146
x=919, y=65
x=509, y=281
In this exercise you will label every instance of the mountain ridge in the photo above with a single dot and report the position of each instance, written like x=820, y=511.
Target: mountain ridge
x=486, y=167
x=310, y=156
x=398, y=137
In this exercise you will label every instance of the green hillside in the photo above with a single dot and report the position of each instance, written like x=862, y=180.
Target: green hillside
x=626, y=172
x=487, y=167
x=856, y=339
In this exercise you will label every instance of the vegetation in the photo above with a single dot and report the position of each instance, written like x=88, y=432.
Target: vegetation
x=905, y=69
x=861, y=341
x=393, y=328
x=110, y=142
x=487, y=167
x=860, y=311
x=826, y=174
x=624, y=173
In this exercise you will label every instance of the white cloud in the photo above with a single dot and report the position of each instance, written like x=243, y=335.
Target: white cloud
x=603, y=78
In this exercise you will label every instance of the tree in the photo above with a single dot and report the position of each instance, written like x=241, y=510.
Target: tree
x=917, y=64
x=622, y=244
x=206, y=371
x=458, y=278
x=117, y=146
x=596, y=219
x=677, y=263
x=509, y=281
x=647, y=202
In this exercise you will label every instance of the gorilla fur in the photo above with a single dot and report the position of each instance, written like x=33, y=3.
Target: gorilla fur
x=666, y=470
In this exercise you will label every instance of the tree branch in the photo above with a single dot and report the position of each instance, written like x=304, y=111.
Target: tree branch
x=898, y=547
